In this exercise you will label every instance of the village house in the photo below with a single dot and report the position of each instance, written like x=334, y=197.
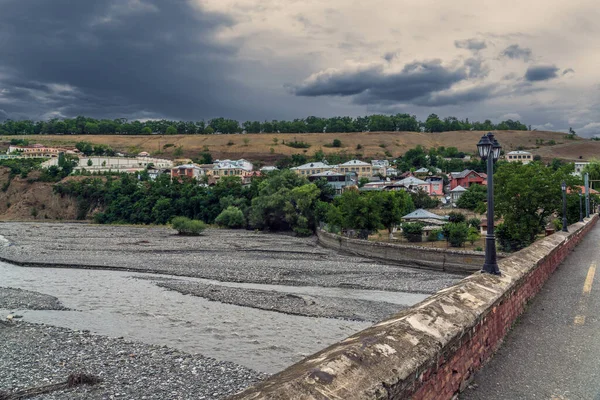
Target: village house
x=437, y=185
x=361, y=168
x=191, y=171
x=39, y=151
x=523, y=157
x=380, y=167
x=312, y=168
x=241, y=168
x=339, y=182
x=579, y=166
x=467, y=178
x=456, y=193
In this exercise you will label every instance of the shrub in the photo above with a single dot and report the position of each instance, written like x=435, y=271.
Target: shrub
x=231, y=217
x=186, y=226
x=456, y=217
x=230, y=143
x=336, y=143
x=298, y=145
x=474, y=223
x=413, y=232
x=456, y=233
x=359, y=146
x=473, y=235
x=433, y=235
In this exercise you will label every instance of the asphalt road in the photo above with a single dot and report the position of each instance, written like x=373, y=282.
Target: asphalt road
x=553, y=352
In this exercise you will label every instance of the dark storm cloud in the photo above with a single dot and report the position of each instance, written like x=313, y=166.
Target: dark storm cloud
x=470, y=44
x=541, y=73
x=515, y=52
x=416, y=80
x=113, y=58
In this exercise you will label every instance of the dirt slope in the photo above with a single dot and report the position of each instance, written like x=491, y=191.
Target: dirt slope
x=257, y=147
x=22, y=198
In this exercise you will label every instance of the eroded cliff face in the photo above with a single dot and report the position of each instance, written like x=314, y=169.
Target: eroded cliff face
x=27, y=200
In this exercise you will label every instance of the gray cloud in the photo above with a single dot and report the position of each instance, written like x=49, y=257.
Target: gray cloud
x=114, y=58
x=516, y=52
x=477, y=68
x=390, y=55
x=541, y=73
x=470, y=44
x=568, y=70
x=415, y=80
x=418, y=83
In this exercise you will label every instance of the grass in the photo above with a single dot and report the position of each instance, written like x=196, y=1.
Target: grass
x=260, y=144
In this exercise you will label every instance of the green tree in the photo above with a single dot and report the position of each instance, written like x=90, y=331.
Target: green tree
x=392, y=206
x=413, y=231
x=525, y=197
x=473, y=197
x=336, y=143
x=147, y=130
x=178, y=151
x=232, y=217
x=90, y=162
x=456, y=233
x=171, y=130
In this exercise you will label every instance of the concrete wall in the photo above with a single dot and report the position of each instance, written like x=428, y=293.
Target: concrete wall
x=431, y=350
x=451, y=260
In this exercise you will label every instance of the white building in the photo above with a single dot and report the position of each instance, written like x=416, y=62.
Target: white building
x=118, y=164
x=579, y=166
x=361, y=168
x=232, y=168
x=312, y=168
x=524, y=157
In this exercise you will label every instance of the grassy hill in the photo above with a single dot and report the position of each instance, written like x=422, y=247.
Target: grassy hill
x=262, y=147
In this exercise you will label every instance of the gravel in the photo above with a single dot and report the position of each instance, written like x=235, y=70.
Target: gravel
x=223, y=255
x=34, y=355
x=24, y=299
x=311, y=306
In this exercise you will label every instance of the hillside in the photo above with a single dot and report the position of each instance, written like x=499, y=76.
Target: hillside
x=257, y=147
x=24, y=201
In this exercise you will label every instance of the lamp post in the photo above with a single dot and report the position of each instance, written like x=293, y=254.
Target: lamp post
x=489, y=149
x=563, y=186
x=580, y=207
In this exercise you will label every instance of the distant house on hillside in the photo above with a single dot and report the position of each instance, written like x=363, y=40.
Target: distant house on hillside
x=467, y=178
x=337, y=181
x=312, y=168
x=187, y=170
x=523, y=157
x=456, y=193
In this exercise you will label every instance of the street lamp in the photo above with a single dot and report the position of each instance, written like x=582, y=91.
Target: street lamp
x=580, y=207
x=563, y=186
x=489, y=149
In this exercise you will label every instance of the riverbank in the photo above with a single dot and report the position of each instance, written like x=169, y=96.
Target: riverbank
x=219, y=254
x=33, y=355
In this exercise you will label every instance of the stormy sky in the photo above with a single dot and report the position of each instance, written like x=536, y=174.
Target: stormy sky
x=281, y=59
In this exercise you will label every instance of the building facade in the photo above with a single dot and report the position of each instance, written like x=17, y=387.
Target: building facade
x=523, y=157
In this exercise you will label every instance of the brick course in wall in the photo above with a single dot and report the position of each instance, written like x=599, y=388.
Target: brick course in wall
x=432, y=350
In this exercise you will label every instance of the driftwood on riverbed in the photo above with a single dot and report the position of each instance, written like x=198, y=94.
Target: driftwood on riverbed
x=73, y=380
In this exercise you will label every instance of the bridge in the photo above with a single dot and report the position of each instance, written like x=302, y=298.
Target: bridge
x=488, y=337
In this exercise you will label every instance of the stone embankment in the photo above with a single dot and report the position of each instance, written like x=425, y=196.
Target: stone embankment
x=414, y=256
x=432, y=350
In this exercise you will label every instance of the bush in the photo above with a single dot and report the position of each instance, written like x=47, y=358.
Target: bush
x=456, y=233
x=186, y=226
x=474, y=223
x=456, y=217
x=413, y=232
x=433, y=235
x=298, y=145
x=231, y=217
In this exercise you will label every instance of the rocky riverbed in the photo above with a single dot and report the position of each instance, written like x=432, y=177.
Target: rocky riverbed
x=180, y=317
x=224, y=255
x=33, y=355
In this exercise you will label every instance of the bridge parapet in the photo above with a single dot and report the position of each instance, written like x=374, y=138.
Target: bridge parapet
x=432, y=350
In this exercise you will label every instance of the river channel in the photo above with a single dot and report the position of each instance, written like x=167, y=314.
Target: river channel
x=116, y=304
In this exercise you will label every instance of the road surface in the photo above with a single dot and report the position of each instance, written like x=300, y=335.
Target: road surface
x=553, y=351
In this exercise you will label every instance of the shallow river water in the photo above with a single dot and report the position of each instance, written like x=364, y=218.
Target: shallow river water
x=116, y=304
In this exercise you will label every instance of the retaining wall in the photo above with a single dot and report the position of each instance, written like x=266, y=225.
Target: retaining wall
x=431, y=350
x=450, y=260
